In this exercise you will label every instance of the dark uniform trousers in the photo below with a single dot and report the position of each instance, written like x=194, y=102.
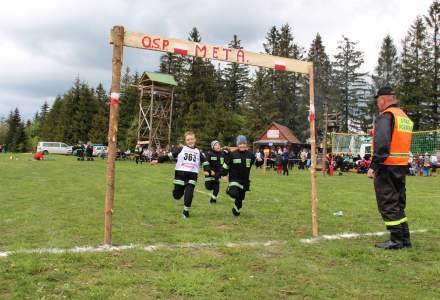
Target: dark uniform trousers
x=389, y=184
x=238, y=193
x=212, y=184
x=184, y=184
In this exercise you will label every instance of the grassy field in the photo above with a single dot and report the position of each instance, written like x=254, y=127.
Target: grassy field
x=59, y=203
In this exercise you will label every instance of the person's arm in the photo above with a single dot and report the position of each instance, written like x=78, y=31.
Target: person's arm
x=225, y=166
x=383, y=129
x=204, y=161
x=170, y=156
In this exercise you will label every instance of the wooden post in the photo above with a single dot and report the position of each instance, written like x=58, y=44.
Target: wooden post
x=150, y=134
x=324, y=150
x=171, y=119
x=118, y=45
x=314, y=197
x=140, y=113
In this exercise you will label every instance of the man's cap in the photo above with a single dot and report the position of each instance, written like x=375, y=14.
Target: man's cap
x=241, y=139
x=384, y=91
x=213, y=143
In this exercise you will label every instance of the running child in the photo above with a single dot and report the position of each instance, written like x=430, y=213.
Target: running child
x=212, y=168
x=238, y=165
x=186, y=171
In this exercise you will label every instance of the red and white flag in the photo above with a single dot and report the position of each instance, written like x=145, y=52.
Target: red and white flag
x=280, y=65
x=180, y=49
x=311, y=116
x=114, y=99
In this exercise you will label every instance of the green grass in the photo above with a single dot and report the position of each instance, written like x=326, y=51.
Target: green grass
x=60, y=203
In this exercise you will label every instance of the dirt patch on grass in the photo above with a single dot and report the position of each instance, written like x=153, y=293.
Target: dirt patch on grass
x=225, y=227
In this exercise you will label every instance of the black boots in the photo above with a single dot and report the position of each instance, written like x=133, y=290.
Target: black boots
x=390, y=245
x=235, y=212
x=406, y=235
x=399, y=238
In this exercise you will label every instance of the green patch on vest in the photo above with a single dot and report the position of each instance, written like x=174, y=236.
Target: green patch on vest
x=248, y=162
x=404, y=124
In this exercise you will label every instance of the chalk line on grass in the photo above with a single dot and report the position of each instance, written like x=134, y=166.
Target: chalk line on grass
x=148, y=248
x=162, y=246
x=349, y=235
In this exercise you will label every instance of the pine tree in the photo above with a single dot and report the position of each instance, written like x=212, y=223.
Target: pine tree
x=78, y=115
x=129, y=109
x=350, y=81
x=259, y=111
x=433, y=22
x=3, y=130
x=386, y=71
x=322, y=70
x=32, y=130
x=99, y=130
x=52, y=129
x=289, y=101
x=44, y=110
x=174, y=65
x=236, y=79
x=289, y=87
x=198, y=99
x=16, y=136
x=415, y=82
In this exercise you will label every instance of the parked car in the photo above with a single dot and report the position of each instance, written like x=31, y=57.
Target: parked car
x=54, y=148
x=365, y=149
x=99, y=150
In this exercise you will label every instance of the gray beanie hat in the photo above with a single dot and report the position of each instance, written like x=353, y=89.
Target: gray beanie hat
x=241, y=139
x=213, y=143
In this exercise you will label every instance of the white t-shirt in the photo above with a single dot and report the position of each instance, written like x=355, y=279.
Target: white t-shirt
x=188, y=160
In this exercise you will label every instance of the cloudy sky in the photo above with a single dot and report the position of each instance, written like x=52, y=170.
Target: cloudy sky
x=45, y=45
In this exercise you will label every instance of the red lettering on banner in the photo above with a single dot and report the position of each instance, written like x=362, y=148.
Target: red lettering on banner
x=156, y=44
x=280, y=67
x=165, y=44
x=146, y=41
x=215, y=52
x=227, y=51
x=202, y=51
x=240, y=56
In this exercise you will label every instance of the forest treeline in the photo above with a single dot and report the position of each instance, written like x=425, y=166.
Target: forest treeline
x=218, y=101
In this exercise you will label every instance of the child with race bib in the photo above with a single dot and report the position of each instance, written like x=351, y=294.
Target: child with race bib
x=189, y=160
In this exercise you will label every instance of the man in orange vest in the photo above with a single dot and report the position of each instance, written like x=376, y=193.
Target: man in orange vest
x=391, y=147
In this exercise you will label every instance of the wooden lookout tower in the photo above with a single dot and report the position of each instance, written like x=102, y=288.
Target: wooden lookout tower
x=155, y=109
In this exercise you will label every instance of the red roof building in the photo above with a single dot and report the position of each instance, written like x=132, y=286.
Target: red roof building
x=278, y=135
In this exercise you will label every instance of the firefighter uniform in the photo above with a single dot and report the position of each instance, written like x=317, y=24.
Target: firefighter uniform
x=238, y=165
x=213, y=165
x=137, y=154
x=185, y=175
x=391, y=146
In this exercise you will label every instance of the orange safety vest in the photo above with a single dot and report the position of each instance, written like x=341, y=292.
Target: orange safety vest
x=400, y=139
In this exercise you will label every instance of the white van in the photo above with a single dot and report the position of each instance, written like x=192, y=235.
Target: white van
x=54, y=148
x=365, y=149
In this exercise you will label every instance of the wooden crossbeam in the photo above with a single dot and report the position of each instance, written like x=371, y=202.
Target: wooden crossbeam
x=240, y=56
